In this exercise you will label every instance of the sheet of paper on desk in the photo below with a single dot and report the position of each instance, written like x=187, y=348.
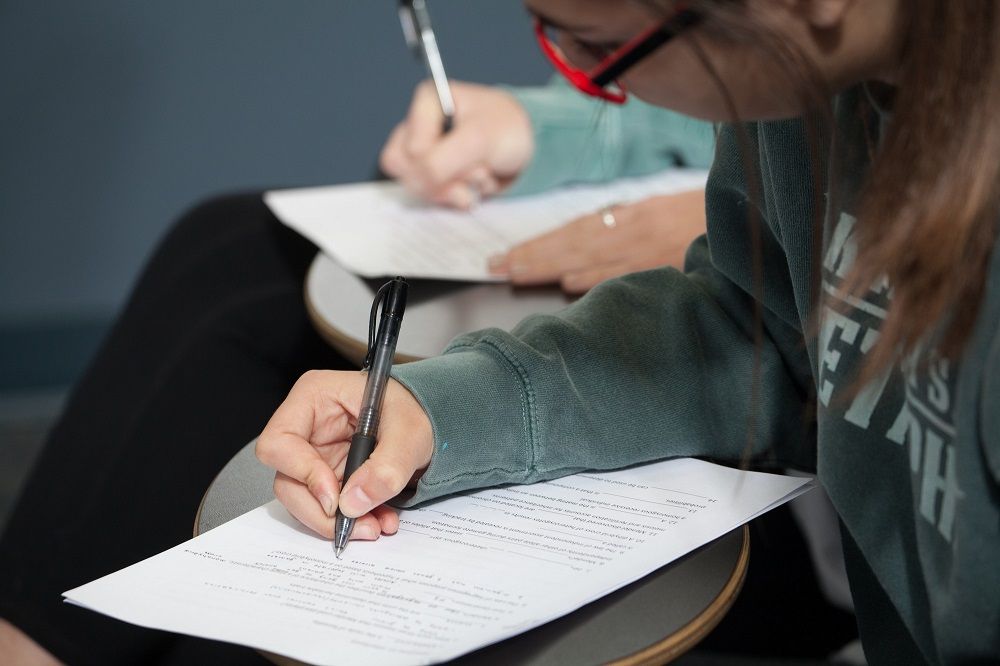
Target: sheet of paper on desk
x=460, y=574
x=375, y=229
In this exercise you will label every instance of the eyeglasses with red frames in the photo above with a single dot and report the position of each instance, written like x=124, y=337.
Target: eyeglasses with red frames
x=597, y=82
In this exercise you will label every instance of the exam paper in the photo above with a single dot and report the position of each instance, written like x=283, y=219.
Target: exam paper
x=460, y=574
x=376, y=229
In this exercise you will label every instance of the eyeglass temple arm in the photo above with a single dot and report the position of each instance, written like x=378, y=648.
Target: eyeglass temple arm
x=645, y=44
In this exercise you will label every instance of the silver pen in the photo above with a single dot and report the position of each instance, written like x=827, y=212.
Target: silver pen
x=416, y=21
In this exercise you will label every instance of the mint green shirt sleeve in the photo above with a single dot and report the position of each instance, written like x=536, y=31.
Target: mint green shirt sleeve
x=581, y=139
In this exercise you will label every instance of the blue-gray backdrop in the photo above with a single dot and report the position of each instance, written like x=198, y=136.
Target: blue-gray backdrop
x=115, y=115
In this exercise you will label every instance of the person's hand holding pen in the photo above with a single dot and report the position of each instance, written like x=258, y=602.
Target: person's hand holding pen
x=491, y=144
x=307, y=439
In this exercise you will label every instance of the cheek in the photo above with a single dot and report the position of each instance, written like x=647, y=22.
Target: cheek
x=677, y=79
x=576, y=55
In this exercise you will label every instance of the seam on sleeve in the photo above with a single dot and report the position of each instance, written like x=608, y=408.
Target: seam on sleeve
x=528, y=402
x=528, y=411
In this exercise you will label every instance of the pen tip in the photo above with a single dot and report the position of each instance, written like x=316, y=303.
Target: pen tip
x=338, y=551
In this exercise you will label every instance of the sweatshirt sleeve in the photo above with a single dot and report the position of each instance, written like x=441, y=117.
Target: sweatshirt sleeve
x=581, y=139
x=650, y=366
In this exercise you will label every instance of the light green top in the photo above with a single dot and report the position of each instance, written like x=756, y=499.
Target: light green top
x=580, y=139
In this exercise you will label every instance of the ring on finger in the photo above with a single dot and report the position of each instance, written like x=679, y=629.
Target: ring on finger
x=608, y=216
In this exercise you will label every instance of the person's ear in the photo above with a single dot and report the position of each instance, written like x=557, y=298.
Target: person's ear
x=825, y=14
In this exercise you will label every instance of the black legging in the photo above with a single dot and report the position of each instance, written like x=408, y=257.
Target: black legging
x=213, y=336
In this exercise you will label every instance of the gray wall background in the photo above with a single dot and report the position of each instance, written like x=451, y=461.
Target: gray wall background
x=116, y=115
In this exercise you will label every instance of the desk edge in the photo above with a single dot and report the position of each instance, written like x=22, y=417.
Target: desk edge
x=694, y=631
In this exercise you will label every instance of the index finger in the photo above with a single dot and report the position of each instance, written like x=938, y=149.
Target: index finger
x=309, y=417
x=423, y=126
x=459, y=154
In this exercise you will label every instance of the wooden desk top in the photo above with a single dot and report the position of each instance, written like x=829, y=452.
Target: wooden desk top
x=339, y=302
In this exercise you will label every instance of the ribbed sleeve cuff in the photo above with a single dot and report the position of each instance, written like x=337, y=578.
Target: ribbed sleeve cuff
x=480, y=406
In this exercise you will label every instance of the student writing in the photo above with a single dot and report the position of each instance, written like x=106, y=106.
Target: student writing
x=842, y=312
x=213, y=335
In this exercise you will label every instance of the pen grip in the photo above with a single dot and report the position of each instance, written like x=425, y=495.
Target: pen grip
x=361, y=447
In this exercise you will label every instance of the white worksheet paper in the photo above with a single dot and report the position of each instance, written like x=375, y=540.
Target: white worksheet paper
x=375, y=229
x=460, y=574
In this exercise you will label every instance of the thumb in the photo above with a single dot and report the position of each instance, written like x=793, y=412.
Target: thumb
x=378, y=480
x=451, y=158
x=405, y=445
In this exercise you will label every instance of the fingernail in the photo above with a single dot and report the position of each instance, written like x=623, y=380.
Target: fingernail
x=364, y=532
x=355, y=502
x=329, y=504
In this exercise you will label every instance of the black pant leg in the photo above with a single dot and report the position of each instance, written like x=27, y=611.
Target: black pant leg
x=211, y=339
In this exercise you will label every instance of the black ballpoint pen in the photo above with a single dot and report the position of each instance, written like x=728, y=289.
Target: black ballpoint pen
x=378, y=363
x=416, y=21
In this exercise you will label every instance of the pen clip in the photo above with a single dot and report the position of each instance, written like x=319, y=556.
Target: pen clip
x=410, y=28
x=379, y=300
x=416, y=22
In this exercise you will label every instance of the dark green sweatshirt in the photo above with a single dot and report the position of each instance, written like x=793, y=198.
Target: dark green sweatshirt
x=659, y=364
